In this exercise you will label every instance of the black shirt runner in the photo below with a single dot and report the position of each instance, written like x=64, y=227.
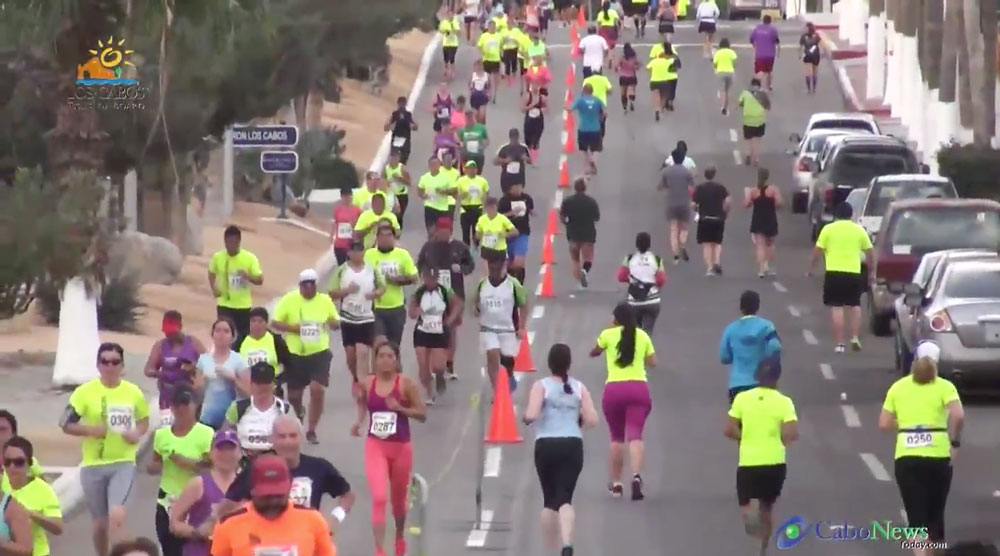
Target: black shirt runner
x=710, y=198
x=442, y=255
x=313, y=478
x=580, y=213
x=402, y=126
x=522, y=206
x=512, y=171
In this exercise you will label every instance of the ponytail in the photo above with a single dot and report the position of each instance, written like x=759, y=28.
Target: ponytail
x=560, y=358
x=625, y=316
x=923, y=370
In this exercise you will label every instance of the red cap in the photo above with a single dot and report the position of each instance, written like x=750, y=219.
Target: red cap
x=269, y=476
x=444, y=223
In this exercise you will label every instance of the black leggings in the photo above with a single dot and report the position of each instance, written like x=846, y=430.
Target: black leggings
x=558, y=462
x=509, y=58
x=533, y=129
x=404, y=201
x=924, y=484
x=169, y=543
x=645, y=316
x=468, y=221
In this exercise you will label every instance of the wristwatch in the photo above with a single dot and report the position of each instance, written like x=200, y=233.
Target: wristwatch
x=956, y=443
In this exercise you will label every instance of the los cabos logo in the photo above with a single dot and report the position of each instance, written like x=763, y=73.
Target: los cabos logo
x=105, y=66
x=102, y=83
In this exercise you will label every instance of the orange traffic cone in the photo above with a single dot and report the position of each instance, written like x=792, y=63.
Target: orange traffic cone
x=570, y=145
x=524, y=363
x=503, y=424
x=570, y=76
x=574, y=34
x=552, y=227
x=563, y=172
x=581, y=16
x=547, y=283
x=547, y=257
x=569, y=122
x=569, y=98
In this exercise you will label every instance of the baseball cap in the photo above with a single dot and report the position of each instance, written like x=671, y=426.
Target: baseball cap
x=269, y=476
x=444, y=223
x=308, y=275
x=928, y=349
x=225, y=436
x=471, y=163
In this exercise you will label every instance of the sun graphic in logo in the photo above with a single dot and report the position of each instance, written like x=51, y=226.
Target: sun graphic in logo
x=105, y=65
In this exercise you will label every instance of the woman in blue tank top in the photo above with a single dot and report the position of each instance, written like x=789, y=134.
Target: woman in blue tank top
x=559, y=407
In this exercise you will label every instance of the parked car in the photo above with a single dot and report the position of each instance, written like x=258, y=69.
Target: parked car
x=931, y=267
x=808, y=148
x=960, y=311
x=911, y=229
x=884, y=190
x=851, y=163
x=859, y=122
x=856, y=198
x=743, y=9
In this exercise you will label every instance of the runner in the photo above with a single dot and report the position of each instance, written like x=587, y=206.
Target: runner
x=390, y=399
x=260, y=345
x=194, y=514
x=638, y=10
x=659, y=81
x=458, y=115
x=15, y=527
x=374, y=185
x=171, y=360
x=755, y=104
x=480, y=91
x=842, y=244
x=711, y=204
x=399, y=180
x=532, y=17
x=449, y=28
x=473, y=11
x=682, y=147
x=345, y=215
x=253, y=417
x=472, y=190
x=369, y=220
x=111, y=415
x=628, y=68
x=453, y=261
x=500, y=303
x=665, y=18
x=925, y=412
x=8, y=430
x=746, y=343
x=492, y=232
x=590, y=113
x=489, y=47
x=707, y=14
x=608, y=25
x=679, y=183
x=397, y=269
x=519, y=207
x=139, y=546
x=559, y=407
x=601, y=86
x=401, y=124
x=515, y=42
x=626, y=400
x=511, y=158
x=766, y=201
x=724, y=61
x=682, y=8
x=307, y=316
x=180, y=451
x=644, y=273
x=766, y=48
x=452, y=173
x=222, y=375
x=545, y=8
x=534, y=103
x=580, y=213
x=272, y=523
x=537, y=48
x=810, y=42
x=441, y=106
x=33, y=494
x=357, y=284
x=594, y=47
x=445, y=142
x=763, y=421
x=564, y=9
x=436, y=309
x=230, y=273
x=434, y=188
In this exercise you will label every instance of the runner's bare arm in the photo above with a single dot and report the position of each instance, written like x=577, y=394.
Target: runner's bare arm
x=360, y=397
x=535, y=399
x=789, y=432
x=413, y=308
x=587, y=410
x=152, y=367
x=155, y=465
x=17, y=520
x=733, y=429
x=417, y=408
x=211, y=284
x=179, y=509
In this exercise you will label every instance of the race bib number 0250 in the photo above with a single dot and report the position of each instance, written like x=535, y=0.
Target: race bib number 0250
x=918, y=440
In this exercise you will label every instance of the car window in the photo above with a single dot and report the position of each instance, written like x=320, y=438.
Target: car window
x=843, y=124
x=886, y=192
x=857, y=199
x=857, y=167
x=973, y=283
x=815, y=141
x=940, y=228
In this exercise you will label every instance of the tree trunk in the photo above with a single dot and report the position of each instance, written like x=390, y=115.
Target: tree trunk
x=974, y=50
x=314, y=110
x=931, y=42
x=949, y=51
x=965, y=115
x=919, y=9
x=891, y=10
x=989, y=26
x=876, y=7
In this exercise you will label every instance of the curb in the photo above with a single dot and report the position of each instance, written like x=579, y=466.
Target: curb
x=836, y=54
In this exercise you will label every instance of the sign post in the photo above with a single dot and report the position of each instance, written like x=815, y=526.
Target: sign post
x=283, y=162
x=484, y=388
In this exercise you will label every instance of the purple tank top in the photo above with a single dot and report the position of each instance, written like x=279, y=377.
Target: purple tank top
x=384, y=423
x=201, y=510
x=170, y=366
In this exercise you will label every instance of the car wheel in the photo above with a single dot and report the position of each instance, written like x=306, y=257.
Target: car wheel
x=899, y=350
x=880, y=325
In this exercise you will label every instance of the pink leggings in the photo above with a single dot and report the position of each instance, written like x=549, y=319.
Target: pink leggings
x=388, y=466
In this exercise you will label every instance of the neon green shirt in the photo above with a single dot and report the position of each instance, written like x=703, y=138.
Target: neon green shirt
x=724, y=60
x=843, y=242
x=431, y=186
x=512, y=38
x=120, y=409
x=38, y=496
x=493, y=232
x=472, y=190
x=368, y=220
x=195, y=445
x=235, y=290
x=395, y=263
x=489, y=46
x=312, y=316
x=449, y=32
x=600, y=85
x=608, y=341
x=536, y=49
x=919, y=406
x=655, y=51
x=256, y=351
x=754, y=114
x=761, y=412
x=394, y=175
x=608, y=19
x=659, y=69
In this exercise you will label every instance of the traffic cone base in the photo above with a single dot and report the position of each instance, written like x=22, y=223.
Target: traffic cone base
x=524, y=363
x=503, y=423
x=547, y=256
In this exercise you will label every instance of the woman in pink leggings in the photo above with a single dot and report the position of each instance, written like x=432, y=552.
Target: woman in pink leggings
x=390, y=400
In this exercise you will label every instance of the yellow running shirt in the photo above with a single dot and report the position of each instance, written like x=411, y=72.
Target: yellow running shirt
x=431, y=186
x=195, y=445
x=472, y=190
x=761, y=412
x=368, y=220
x=724, y=60
x=659, y=69
x=608, y=19
x=395, y=263
x=38, y=497
x=493, y=232
x=843, y=242
x=512, y=38
x=921, y=406
x=235, y=290
x=600, y=85
x=263, y=350
x=608, y=341
x=489, y=46
x=449, y=32
x=312, y=316
x=119, y=409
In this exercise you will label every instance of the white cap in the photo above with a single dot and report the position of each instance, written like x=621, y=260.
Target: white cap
x=928, y=349
x=308, y=275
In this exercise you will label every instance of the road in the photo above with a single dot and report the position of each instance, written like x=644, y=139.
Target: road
x=839, y=471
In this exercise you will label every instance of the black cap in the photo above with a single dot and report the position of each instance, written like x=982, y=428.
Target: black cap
x=262, y=373
x=182, y=395
x=357, y=245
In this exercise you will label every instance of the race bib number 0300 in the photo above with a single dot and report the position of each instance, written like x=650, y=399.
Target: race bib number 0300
x=119, y=418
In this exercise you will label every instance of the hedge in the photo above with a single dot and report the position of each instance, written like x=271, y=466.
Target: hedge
x=975, y=170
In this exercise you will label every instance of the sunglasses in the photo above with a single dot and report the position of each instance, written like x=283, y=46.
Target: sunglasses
x=15, y=462
x=112, y=362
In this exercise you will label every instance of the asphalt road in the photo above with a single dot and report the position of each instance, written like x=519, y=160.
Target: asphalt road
x=839, y=471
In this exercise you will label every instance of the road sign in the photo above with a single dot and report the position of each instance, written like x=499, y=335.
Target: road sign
x=265, y=136
x=279, y=162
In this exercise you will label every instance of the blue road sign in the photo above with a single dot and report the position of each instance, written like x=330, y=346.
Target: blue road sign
x=265, y=136
x=279, y=162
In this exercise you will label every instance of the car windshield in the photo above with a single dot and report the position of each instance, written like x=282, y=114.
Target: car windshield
x=857, y=168
x=938, y=228
x=856, y=199
x=843, y=124
x=886, y=192
x=974, y=283
x=817, y=140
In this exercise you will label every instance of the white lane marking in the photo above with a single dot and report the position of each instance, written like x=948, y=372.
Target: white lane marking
x=851, y=416
x=538, y=312
x=810, y=337
x=827, y=371
x=482, y=371
x=491, y=467
x=538, y=290
x=558, y=198
x=564, y=137
x=732, y=136
x=875, y=466
x=56, y=469
x=541, y=271
x=531, y=337
x=477, y=538
x=780, y=287
x=794, y=311
x=736, y=157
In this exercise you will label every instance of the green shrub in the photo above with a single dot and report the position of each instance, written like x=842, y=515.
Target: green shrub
x=974, y=169
x=119, y=309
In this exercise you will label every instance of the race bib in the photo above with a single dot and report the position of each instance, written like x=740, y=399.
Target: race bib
x=442, y=152
x=345, y=230
x=398, y=141
x=120, y=418
x=301, y=493
x=166, y=418
x=474, y=192
x=492, y=303
x=389, y=268
x=918, y=440
x=432, y=324
x=256, y=356
x=444, y=113
x=489, y=241
x=353, y=306
x=257, y=438
x=519, y=208
x=444, y=278
x=472, y=146
x=513, y=167
x=309, y=333
x=276, y=550
x=236, y=282
x=534, y=112
x=383, y=424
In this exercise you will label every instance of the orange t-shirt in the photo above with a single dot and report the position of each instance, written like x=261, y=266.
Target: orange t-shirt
x=300, y=531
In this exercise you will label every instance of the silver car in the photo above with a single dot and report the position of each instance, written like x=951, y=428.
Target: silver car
x=885, y=190
x=959, y=309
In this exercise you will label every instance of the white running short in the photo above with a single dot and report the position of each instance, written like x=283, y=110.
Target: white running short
x=506, y=342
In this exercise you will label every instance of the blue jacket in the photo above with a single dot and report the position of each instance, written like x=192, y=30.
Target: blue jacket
x=745, y=343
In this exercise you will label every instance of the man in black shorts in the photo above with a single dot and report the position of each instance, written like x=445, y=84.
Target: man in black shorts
x=810, y=42
x=711, y=202
x=512, y=158
x=580, y=213
x=401, y=124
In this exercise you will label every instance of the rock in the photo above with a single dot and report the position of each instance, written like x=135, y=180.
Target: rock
x=149, y=259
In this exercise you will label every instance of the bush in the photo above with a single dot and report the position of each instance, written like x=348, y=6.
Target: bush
x=119, y=309
x=974, y=169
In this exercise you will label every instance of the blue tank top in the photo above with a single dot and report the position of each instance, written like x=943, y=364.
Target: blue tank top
x=560, y=416
x=4, y=526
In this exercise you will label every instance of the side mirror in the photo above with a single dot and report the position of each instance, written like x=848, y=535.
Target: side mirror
x=911, y=288
x=795, y=138
x=925, y=169
x=913, y=301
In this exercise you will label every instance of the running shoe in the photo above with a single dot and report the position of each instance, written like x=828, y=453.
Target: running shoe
x=566, y=551
x=452, y=375
x=431, y=400
x=583, y=278
x=616, y=490
x=684, y=254
x=855, y=344
x=710, y=271
x=841, y=348
x=761, y=274
x=637, y=487
x=401, y=547
x=718, y=269
x=725, y=111
x=311, y=437
x=677, y=259
x=657, y=115
x=751, y=520
x=439, y=383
